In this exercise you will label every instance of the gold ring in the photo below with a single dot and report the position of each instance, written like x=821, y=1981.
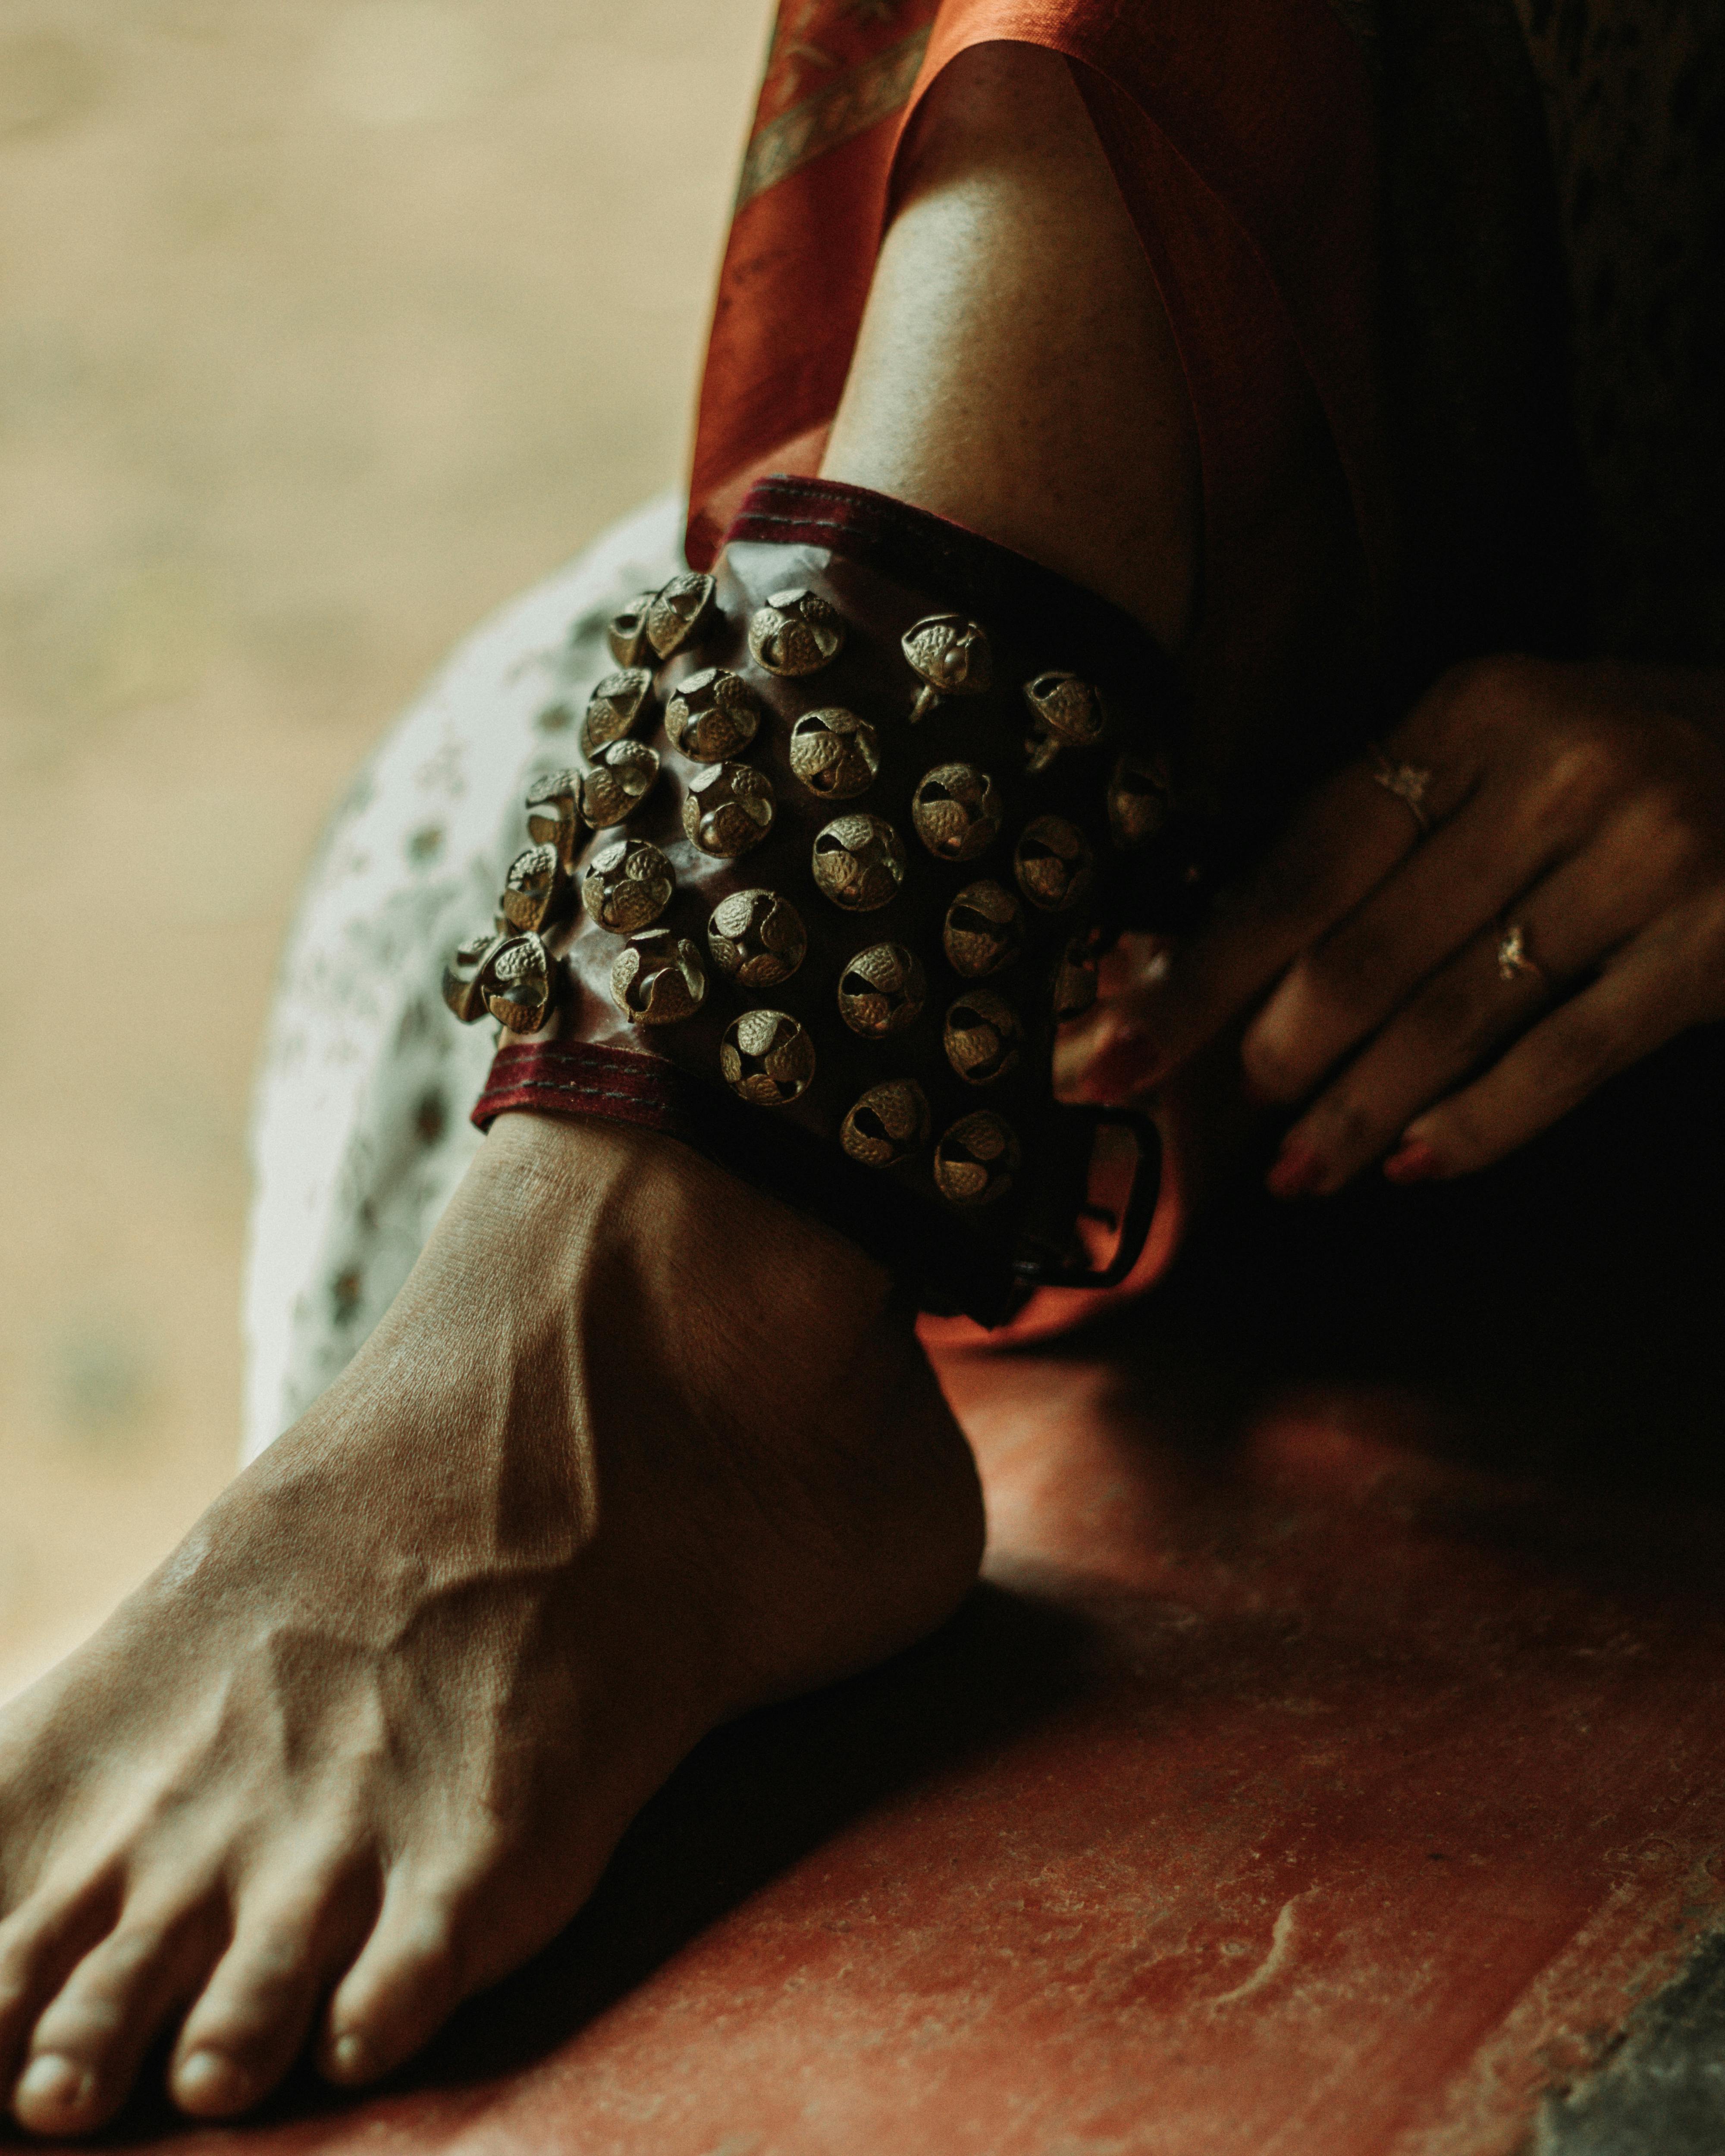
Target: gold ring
x=1513, y=956
x=1409, y=782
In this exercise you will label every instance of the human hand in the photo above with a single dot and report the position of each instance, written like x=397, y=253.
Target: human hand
x=1448, y=974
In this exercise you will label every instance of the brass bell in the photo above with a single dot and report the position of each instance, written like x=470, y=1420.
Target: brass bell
x=620, y=780
x=976, y=1160
x=958, y=812
x=858, y=862
x=681, y=613
x=756, y=938
x=615, y=708
x=712, y=714
x=727, y=809
x=535, y=888
x=951, y=655
x=1069, y=714
x=1075, y=989
x=1140, y=796
x=882, y=990
x=888, y=1124
x=554, y=813
x=796, y=632
x=657, y=978
x=519, y=980
x=1052, y=863
x=627, y=634
x=982, y=1037
x=834, y=754
x=627, y=885
x=768, y=1058
x=465, y=977
x=984, y=930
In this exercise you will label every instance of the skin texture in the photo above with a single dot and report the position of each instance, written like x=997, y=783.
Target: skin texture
x=1583, y=804
x=367, y=1740
x=634, y=1449
x=1016, y=372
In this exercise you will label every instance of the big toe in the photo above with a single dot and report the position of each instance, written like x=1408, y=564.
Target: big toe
x=87, y=2045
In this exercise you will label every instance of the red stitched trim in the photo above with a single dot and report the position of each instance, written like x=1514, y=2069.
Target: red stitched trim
x=543, y=1099
x=570, y=1077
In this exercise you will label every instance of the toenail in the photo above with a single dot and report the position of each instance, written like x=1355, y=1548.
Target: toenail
x=210, y=2082
x=53, y=2082
x=350, y=2058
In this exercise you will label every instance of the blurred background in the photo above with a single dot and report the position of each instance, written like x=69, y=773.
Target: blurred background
x=324, y=326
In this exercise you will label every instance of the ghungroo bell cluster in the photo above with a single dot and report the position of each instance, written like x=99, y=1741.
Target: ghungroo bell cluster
x=845, y=822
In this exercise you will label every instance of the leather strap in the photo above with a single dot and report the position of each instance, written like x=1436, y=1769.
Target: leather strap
x=930, y=777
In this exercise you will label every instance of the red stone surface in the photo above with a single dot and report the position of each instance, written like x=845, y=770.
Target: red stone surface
x=1291, y=1790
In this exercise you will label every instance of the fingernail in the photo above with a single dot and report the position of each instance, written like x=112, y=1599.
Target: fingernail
x=350, y=2058
x=53, y=2082
x=1298, y=1171
x=1415, y=1163
x=210, y=2080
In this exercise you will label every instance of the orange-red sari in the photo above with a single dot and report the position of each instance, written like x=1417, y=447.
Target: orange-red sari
x=1257, y=221
x=1347, y=218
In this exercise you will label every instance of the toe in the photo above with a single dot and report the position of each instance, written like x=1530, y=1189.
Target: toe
x=404, y=1985
x=40, y=1945
x=85, y=2049
x=55, y=2095
x=248, y=2027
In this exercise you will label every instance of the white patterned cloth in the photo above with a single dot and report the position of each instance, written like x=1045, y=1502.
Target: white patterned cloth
x=360, y=1132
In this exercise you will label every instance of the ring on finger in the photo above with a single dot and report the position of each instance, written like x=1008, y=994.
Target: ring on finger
x=1409, y=782
x=1514, y=960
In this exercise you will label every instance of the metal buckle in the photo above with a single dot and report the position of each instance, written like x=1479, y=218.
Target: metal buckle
x=1044, y=1268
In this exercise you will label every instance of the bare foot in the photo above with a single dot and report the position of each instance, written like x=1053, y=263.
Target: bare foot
x=634, y=1450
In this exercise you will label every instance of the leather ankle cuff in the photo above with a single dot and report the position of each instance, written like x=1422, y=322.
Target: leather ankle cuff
x=857, y=815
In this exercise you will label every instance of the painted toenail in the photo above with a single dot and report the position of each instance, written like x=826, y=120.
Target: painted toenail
x=350, y=2058
x=210, y=2082
x=53, y=2082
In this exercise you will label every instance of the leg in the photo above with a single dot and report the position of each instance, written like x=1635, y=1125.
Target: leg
x=1016, y=371
x=635, y=1449
x=389, y=1708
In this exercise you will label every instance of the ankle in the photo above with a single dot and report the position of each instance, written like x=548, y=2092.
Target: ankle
x=619, y=1215
x=761, y=1378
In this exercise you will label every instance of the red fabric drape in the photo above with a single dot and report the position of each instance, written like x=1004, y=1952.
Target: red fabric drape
x=810, y=201
x=1244, y=141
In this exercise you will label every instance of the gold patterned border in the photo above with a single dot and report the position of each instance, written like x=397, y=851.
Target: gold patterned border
x=844, y=108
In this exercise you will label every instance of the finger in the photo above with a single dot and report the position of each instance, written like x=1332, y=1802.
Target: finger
x=1460, y=1017
x=1592, y=905
x=1665, y=981
x=1341, y=989
x=1351, y=834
